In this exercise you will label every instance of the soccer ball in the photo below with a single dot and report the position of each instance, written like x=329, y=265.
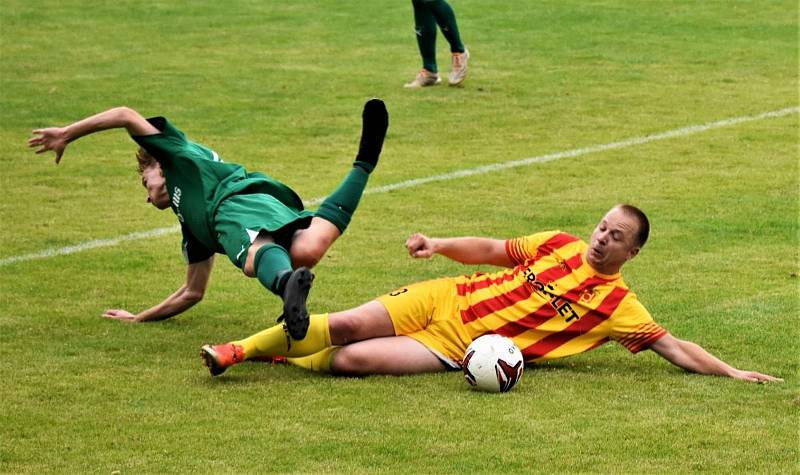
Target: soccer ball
x=493, y=363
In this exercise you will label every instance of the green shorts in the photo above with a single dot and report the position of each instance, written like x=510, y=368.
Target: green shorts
x=240, y=218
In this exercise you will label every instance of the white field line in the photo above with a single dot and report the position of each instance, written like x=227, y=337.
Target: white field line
x=682, y=132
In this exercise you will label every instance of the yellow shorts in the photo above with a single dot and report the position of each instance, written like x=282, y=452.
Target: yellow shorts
x=429, y=313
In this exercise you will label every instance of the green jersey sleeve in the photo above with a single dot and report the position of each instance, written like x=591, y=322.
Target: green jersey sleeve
x=167, y=144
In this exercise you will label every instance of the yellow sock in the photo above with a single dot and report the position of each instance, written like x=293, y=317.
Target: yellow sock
x=319, y=361
x=276, y=340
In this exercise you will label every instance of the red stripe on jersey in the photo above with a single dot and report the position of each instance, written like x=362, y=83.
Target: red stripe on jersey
x=546, y=311
x=493, y=304
x=517, y=253
x=530, y=321
x=519, y=250
x=548, y=275
x=641, y=333
x=469, y=287
x=574, y=294
x=581, y=327
x=558, y=271
x=647, y=341
x=511, y=251
x=635, y=339
x=558, y=241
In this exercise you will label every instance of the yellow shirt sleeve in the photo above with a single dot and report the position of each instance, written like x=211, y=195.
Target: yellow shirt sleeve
x=633, y=327
x=523, y=248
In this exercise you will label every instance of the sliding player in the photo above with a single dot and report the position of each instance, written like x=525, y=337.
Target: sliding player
x=558, y=296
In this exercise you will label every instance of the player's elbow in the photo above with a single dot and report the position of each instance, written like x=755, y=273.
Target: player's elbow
x=123, y=111
x=193, y=295
x=125, y=114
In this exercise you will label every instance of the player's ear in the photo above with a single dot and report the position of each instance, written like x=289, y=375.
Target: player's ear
x=633, y=252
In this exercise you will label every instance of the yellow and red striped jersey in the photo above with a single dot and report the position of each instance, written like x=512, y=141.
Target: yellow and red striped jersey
x=553, y=303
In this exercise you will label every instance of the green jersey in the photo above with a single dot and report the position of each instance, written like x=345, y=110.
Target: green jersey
x=198, y=181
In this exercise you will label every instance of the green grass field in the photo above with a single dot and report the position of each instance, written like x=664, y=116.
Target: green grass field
x=278, y=87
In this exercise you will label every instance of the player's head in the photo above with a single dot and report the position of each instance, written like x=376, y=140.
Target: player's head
x=617, y=238
x=152, y=179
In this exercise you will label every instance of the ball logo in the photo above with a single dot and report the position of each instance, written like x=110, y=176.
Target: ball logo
x=507, y=375
x=469, y=376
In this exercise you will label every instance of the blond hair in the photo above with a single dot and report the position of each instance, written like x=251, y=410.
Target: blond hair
x=144, y=160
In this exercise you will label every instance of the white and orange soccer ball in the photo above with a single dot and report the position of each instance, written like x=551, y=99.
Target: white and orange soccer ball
x=493, y=363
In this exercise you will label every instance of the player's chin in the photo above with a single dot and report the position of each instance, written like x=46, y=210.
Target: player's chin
x=161, y=204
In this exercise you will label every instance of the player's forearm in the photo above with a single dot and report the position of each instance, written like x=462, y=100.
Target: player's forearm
x=466, y=250
x=115, y=118
x=175, y=304
x=695, y=359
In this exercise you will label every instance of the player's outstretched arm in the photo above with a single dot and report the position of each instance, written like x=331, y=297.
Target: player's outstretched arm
x=692, y=357
x=57, y=138
x=467, y=250
x=190, y=293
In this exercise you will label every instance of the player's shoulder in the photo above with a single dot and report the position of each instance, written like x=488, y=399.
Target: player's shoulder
x=165, y=127
x=630, y=301
x=551, y=240
x=539, y=236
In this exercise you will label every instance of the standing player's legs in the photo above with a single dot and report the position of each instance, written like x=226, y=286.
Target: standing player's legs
x=446, y=19
x=425, y=29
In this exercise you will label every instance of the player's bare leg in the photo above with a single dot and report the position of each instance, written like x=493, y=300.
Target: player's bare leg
x=370, y=320
x=310, y=245
x=388, y=355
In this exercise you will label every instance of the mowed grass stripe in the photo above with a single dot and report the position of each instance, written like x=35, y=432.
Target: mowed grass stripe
x=681, y=132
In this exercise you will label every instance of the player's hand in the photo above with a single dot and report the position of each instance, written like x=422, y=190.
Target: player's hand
x=756, y=377
x=119, y=314
x=53, y=138
x=420, y=246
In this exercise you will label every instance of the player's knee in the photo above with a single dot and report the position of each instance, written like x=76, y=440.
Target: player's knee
x=351, y=361
x=308, y=254
x=250, y=266
x=344, y=328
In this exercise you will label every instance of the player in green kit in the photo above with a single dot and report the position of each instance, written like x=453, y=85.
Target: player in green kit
x=257, y=221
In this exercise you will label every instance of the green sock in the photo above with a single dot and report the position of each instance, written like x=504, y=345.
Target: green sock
x=425, y=29
x=338, y=208
x=446, y=19
x=273, y=267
